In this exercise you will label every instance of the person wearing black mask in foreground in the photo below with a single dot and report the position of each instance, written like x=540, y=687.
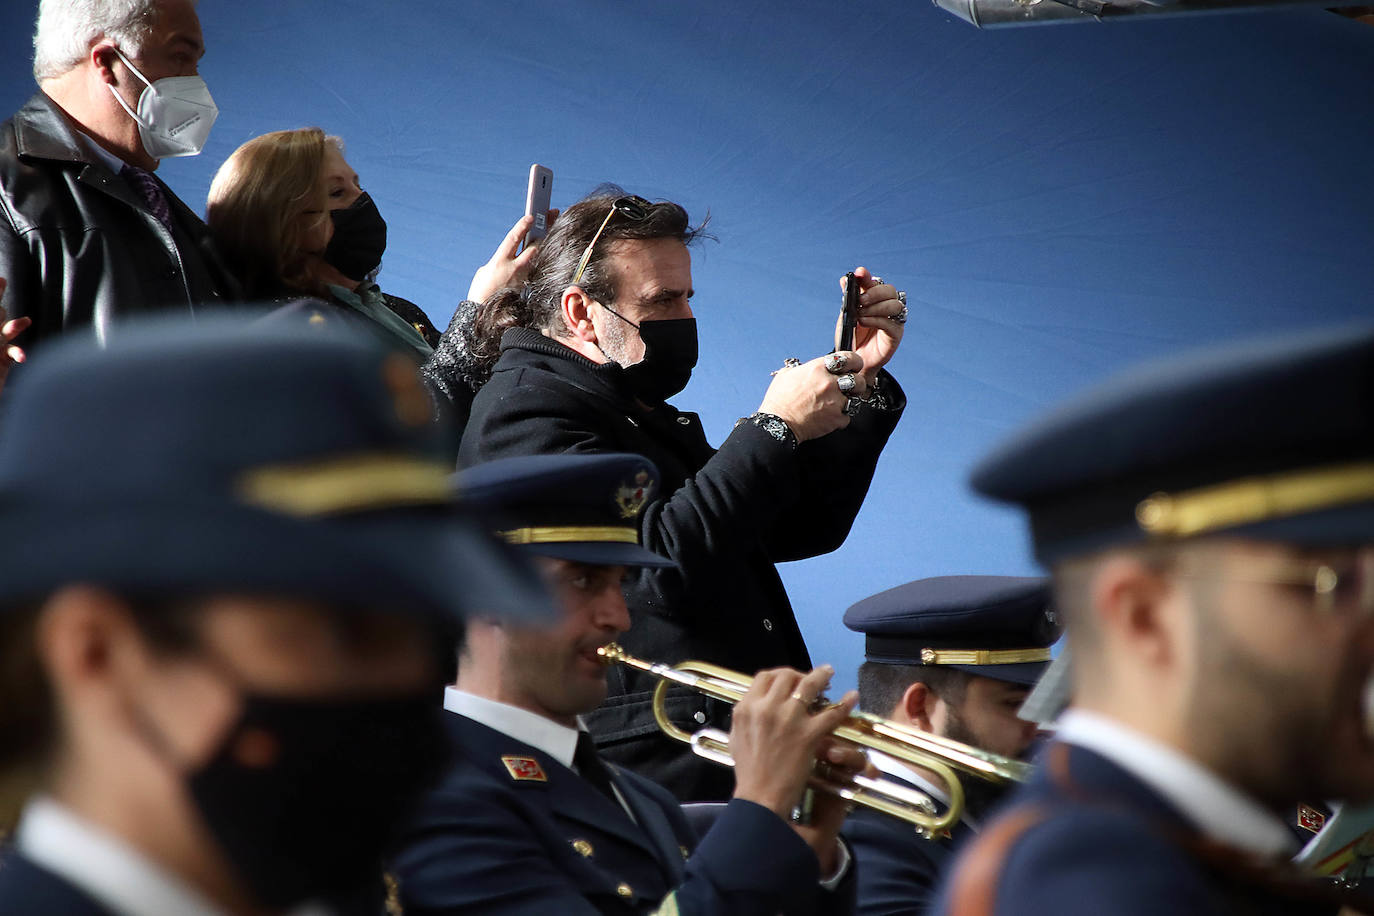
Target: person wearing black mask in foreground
x=590, y=348
x=222, y=655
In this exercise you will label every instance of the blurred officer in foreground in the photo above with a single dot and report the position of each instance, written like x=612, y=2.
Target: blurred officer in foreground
x=230, y=582
x=1209, y=522
x=530, y=820
x=953, y=656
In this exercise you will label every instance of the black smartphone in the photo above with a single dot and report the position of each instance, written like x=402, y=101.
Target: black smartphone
x=850, y=313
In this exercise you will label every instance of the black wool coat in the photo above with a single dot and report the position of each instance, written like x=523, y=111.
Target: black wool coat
x=725, y=516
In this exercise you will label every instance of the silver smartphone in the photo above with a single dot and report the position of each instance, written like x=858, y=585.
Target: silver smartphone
x=537, y=198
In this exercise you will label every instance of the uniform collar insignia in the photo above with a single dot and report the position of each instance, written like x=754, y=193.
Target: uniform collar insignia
x=524, y=769
x=1310, y=818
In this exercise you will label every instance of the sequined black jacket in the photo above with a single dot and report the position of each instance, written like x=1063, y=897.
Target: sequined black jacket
x=726, y=516
x=78, y=246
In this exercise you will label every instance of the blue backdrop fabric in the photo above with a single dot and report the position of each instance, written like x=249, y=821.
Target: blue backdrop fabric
x=1058, y=201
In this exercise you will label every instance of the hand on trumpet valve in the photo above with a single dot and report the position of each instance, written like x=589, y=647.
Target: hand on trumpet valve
x=779, y=734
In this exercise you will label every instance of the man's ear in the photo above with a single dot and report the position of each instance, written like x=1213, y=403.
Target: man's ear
x=102, y=57
x=1131, y=602
x=577, y=318
x=917, y=706
x=86, y=636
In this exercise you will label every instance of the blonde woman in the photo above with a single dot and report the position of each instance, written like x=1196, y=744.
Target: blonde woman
x=269, y=213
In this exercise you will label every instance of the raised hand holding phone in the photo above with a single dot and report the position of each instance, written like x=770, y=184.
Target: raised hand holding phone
x=510, y=263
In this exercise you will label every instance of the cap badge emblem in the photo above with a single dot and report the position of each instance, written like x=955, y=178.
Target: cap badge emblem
x=632, y=496
x=524, y=769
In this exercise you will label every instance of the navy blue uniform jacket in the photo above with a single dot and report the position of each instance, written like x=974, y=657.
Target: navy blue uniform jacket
x=725, y=516
x=1085, y=838
x=28, y=888
x=899, y=868
x=486, y=843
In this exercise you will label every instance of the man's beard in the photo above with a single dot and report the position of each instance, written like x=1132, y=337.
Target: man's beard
x=612, y=341
x=980, y=795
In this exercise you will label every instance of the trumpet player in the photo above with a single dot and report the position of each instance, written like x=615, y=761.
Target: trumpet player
x=529, y=819
x=953, y=656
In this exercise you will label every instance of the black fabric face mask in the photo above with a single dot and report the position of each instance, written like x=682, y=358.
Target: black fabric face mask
x=359, y=238
x=306, y=796
x=670, y=355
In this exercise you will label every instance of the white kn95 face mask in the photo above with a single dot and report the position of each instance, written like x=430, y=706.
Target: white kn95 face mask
x=174, y=114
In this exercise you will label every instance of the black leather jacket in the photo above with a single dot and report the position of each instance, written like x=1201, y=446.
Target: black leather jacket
x=78, y=246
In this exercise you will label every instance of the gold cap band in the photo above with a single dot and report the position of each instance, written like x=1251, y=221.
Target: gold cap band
x=569, y=534
x=351, y=484
x=983, y=656
x=1254, y=499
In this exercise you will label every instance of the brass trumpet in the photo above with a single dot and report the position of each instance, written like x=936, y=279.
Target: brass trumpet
x=940, y=756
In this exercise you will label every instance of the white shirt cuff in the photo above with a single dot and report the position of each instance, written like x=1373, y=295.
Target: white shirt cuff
x=841, y=868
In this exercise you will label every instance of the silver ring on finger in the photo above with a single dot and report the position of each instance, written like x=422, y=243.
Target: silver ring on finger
x=790, y=363
x=900, y=317
x=852, y=407
x=847, y=383
x=835, y=363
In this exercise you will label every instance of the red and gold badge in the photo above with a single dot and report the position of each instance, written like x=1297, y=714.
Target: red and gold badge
x=524, y=769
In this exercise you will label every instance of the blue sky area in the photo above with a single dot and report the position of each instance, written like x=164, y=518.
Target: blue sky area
x=1058, y=201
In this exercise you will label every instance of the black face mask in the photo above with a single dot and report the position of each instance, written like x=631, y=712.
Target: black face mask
x=359, y=238
x=670, y=355
x=306, y=796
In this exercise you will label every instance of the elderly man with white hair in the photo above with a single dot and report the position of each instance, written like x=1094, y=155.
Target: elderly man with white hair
x=88, y=234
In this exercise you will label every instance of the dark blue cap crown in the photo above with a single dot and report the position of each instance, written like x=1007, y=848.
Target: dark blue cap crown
x=583, y=508
x=995, y=626
x=186, y=458
x=1271, y=440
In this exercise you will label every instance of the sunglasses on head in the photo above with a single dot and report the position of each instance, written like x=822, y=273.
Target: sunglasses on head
x=631, y=207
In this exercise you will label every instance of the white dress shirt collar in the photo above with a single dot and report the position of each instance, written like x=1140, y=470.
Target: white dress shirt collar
x=108, y=869
x=558, y=741
x=894, y=767
x=109, y=159
x=103, y=866
x=1214, y=806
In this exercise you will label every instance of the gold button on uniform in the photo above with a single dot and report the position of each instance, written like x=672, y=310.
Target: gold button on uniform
x=624, y=890
x=686, y=854
x=582, y=848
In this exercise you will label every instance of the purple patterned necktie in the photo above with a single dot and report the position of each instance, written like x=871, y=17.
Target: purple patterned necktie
x=142, y=181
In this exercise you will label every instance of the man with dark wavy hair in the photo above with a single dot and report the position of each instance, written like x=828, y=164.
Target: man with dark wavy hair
x=583, y=358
